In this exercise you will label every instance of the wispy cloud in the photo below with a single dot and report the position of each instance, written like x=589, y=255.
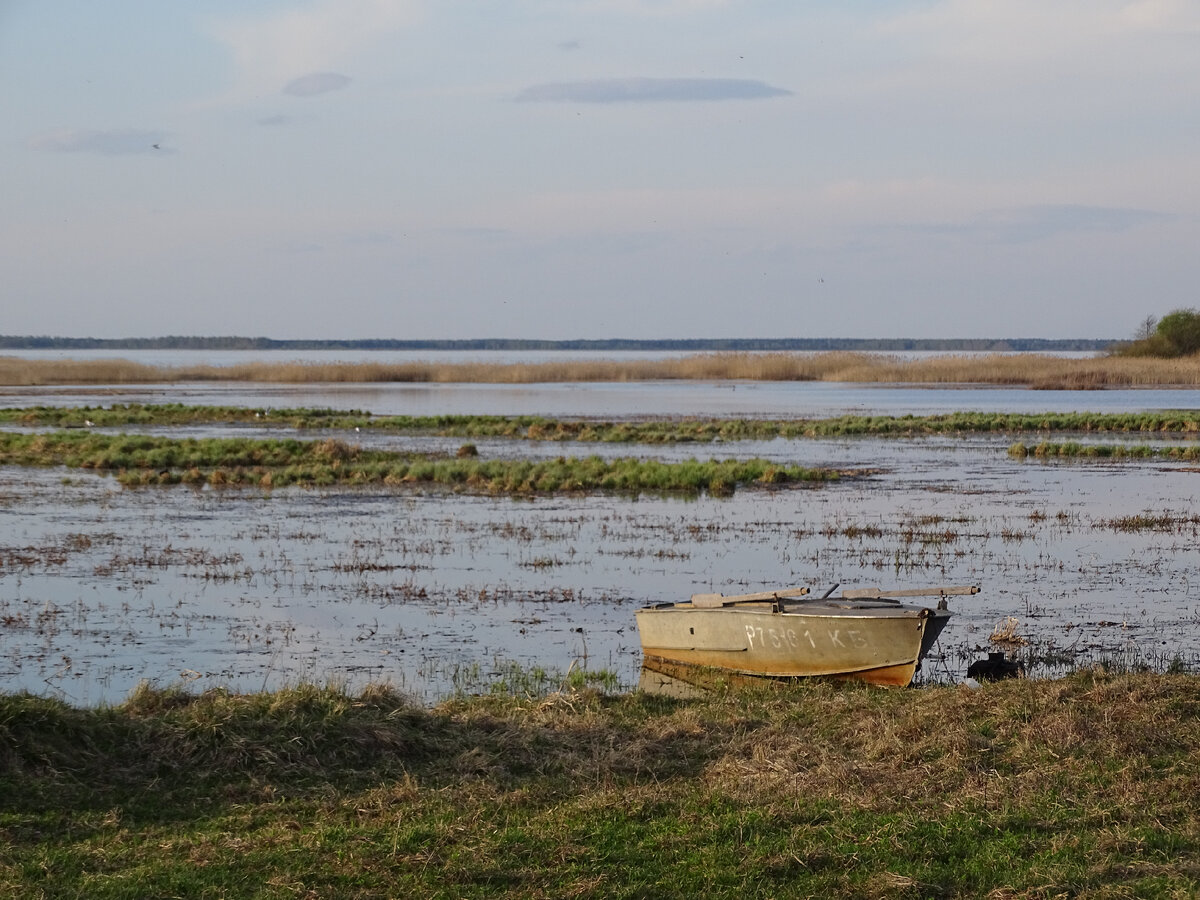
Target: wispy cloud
x=1035, y=223
x=104, y=143
x=649, y=90
x=268, y=50
x=316, y=83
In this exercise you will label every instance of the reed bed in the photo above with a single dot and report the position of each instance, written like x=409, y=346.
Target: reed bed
x=141, y=460
x=1082, y=787
x=1033, y=371
x=1028, y=370
x=649, y=431
x=35, y=372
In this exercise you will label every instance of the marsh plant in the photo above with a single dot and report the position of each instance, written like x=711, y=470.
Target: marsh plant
x=1076, y=450
x=1032, y=370
x=144, y=460
x=651, y=431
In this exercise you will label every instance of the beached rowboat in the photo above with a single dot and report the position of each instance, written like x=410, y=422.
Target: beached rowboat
x=866, y=634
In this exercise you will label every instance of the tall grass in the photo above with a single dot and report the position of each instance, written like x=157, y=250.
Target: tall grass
x=1028, y=370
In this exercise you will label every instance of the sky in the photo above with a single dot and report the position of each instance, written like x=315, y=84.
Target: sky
x=565, y=169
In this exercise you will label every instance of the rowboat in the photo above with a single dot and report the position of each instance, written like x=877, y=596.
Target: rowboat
x=866, y=634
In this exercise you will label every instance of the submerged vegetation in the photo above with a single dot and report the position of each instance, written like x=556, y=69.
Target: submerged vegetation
x=657, y=431
x=147, y=460
x=1083, y=786
x=1028, y=370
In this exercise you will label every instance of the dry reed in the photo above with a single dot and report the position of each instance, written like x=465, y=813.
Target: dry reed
x=1028, y=370
x=1007, y=633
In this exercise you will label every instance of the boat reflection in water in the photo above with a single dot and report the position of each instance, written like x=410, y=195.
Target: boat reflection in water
x=866, y=634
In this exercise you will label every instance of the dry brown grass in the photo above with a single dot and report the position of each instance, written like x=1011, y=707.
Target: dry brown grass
x=1007, y=633
x=16, y=371
x=1083, y=787
x=1014, y=743
x=1028, y=370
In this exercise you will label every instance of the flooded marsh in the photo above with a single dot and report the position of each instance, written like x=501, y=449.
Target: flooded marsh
x=436, y=591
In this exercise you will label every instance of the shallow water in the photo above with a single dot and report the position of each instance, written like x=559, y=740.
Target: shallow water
x=102, y=587
x=725, y=399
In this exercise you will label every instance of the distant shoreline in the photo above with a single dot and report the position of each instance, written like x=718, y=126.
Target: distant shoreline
x=174, y=342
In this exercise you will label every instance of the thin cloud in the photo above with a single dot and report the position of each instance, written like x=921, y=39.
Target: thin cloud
x=316, y=83
x=104, y=143
x=321, y=36
x=1035, y=223
x=650, y=90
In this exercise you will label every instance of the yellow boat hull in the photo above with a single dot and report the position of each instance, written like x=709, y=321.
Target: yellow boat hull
x=876, y=640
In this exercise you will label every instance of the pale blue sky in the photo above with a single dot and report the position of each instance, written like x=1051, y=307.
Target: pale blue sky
x=598, y=168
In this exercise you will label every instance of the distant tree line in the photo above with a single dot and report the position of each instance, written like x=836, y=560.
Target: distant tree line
x=1175, y=334
x=699, y=345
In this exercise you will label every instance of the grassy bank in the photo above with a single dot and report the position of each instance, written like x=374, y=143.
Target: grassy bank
x=540, y=428
x=1027, y=370
x=149, y=460
x=1082, y=787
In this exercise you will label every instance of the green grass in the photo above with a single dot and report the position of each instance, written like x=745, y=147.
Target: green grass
x=144, y=460
x=653, y=431
x=1076, y=450
x=1081, y=787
